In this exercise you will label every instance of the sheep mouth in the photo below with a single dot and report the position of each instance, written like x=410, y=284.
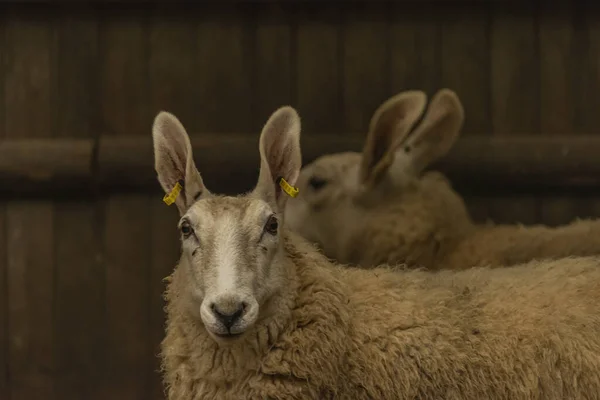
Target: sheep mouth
x=228, y=336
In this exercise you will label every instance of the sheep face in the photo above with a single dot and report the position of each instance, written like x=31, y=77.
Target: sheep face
x=340, y=194
x=232, y=257
x=326, y=212
x=333, y=209
x=231, y=252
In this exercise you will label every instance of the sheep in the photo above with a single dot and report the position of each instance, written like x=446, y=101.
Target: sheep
x=254, y=311
x=381, y=208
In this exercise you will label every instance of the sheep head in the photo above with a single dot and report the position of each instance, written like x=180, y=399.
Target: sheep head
x=340, y=193
x=232, y=247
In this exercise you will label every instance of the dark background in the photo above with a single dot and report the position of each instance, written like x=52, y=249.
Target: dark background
x=85, y=239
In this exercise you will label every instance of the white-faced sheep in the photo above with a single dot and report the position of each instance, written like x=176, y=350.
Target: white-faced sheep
x=380, y=207
x=256, y=312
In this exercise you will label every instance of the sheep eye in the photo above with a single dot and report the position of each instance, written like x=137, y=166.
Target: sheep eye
x=316, y=183
x=186, y=228
x=272, y=225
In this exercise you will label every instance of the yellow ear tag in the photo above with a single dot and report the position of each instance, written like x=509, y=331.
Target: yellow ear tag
x=289, y=189
x=172, y=196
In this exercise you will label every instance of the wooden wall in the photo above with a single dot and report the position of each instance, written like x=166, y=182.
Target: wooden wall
x=81, y=275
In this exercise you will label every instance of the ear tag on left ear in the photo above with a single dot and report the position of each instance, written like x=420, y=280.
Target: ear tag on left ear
x=289, y=189
x=172, y=196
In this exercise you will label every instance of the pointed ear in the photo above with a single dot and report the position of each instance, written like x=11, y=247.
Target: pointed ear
x=437, y=132
x=280, y=156
x=389, y=126
x=174, y=162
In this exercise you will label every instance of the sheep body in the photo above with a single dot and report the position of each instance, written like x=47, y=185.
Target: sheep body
x=382, y=207
x=505, y=245
x=256, y=312
x=418, y=229
x=521, y=333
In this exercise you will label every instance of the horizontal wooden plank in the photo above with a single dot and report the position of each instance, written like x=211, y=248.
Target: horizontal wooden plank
x=37, y=164
x=229, y=163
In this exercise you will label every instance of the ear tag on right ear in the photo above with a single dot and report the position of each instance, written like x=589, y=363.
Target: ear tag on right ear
x=172, y=196
x=289, y=189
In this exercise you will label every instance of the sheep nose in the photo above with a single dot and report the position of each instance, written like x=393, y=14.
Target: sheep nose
x=230, y=316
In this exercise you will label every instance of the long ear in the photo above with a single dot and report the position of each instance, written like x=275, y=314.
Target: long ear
x=437, y=132
x=280, y=156
x=390, y=124
x=174, y=162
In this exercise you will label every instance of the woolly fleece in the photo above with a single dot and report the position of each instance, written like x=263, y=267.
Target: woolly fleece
x=530, y=332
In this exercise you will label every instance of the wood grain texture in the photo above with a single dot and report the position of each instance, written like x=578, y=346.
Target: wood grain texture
x=63, y=168
x=274, y=61
x=129, y=343
x=78, y=108
x=465, y=69
x=4, y=311
x=588, y=23
x=414, y=49
x=318, y=82
x=365, y=64
x=31, y=297
x=587, y=86
x=465, y=60
x=30, y=75
x=175, y=87
x=593, y=210
x=562, y=209
x=515, y=93
x=165, y=255
x=30, y=112
x=514, y=71
x=124, y=67
x=79, y=325
x=478, y=206
x=559, y=58
x=34, y=91
x=39, y=165
x=125, y=49
x=224, y=70
x=79, y=290
x=3, y=61
x=173, y=66
x=557, y=70
x=5, y=384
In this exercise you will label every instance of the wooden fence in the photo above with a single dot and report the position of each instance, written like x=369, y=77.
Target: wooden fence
x=84, y=237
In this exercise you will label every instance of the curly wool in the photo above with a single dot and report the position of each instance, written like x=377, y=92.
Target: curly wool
x=346, y=333
x=431, y=228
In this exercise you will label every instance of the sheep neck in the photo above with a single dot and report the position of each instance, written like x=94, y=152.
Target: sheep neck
x=188, y=345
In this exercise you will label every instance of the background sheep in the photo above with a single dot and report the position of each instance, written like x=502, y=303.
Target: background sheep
x=380, y=207
x=255, y=312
